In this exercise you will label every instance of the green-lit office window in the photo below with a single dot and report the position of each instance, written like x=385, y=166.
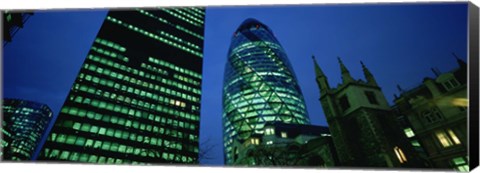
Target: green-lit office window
x=76, y=126
x=125, y=135
x=129, y=150
x=106, y=118
x=122, y=149
x=102, y=159
x=79, y=99
x=114, y=147
x=54, y=153
x=139, y=138
x=102, y=104
x=106, y=145
x=114, y=119
x=74, y=156
x=102, y=131
x=90, y=114
x=87, y=101
x=133, y=137
x=71, y=139
x=110, y=132
x=137, y=151
x=94, y=129
x=73, y=111
x=64, y=155
x=97, y=144
x=92, y=159
x=83, y=157
x=135, y=124
x=80, y=141
x=88, y=143
x=118, y=133
x=61, y=138
x=85, y=127
x=53, y=136
x=82, y=112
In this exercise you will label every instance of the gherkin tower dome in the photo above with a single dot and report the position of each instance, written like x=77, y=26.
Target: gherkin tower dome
x=259, y=86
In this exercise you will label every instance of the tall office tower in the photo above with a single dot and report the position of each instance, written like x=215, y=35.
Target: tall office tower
x=23, y=125
x=259, y=86
x=363, y=127
x=136, y=99
x=12, y=22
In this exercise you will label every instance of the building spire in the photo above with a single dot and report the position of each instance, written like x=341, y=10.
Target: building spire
x=460, y=62
x=320, y=76
x=346, y=78
x=318, y=70
x=368, y=76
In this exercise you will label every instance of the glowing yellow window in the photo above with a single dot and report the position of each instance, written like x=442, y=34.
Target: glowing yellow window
x=400, y=155
x=284, y=134
x=443, y=138
x=453, y=136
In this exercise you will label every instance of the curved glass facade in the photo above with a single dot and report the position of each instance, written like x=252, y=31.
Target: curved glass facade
x=24, y=123
x=259, y=86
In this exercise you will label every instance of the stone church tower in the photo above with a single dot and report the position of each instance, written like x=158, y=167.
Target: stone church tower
x=363, y=127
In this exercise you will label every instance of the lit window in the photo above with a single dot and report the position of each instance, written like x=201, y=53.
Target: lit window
x=415, y=143
x=269, y=131
x=284, y=134
x=409, y=132
x=447, y=139
x=460, y=164
x=255, y=141
x=269, y=142
x=401, y=157
x=453, y=136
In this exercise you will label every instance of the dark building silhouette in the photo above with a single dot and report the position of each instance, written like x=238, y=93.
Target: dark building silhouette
x=363, y=127
x=23, y=125
x=12, y=23
x=287, y=145
x=136, y=99
x=259, y=86
x=435, y=114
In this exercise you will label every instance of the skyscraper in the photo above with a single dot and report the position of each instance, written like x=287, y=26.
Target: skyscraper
x=259, y=86
x=23, y=125
x=136, y=99
x=12, y=23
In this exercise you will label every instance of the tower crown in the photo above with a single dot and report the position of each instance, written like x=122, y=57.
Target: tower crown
x=346, y=77
x=368, y=76
x=320, y=76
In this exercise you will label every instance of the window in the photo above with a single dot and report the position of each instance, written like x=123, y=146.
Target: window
x=450, y=84
x=432, y=116
x=371, y=97
x=284, y=134
x=415, y=143
x=460, y=164
x=401, y=157
x=344, y=104
x=255, y=141
x=447, y=138
x=409, y=132
x=269, y=131
x=269, y=142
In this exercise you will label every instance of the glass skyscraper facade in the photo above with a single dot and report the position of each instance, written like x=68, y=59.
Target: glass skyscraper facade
x=23, y=125
x=136, y=99
x=259, y=86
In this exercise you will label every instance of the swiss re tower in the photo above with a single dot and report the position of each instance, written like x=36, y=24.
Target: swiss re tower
x=259, y=86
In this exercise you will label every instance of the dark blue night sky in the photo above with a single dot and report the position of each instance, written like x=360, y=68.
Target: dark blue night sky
x=398, y=43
